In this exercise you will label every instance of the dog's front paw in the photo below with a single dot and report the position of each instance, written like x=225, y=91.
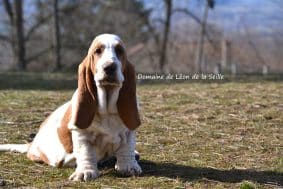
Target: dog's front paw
x=128, y=168
x=84, y=175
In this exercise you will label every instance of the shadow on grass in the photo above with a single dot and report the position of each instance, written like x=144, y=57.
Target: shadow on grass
x=188, y=173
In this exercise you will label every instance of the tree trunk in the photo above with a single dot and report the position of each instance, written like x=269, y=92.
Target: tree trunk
x=225, y=55
x=10, y=13
x=20, y=41
x=57, y=39
x=199, y=54
x=163, y=50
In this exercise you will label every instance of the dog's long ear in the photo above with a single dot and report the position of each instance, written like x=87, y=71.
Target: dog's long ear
x=127, y=101
x=85, y=106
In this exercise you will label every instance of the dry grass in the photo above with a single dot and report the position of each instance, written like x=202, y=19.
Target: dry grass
x=194, y=135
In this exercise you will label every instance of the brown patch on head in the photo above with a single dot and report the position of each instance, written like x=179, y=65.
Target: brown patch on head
x=97, y=50
x=121, y=54
x=127, y=101
x=65, y=135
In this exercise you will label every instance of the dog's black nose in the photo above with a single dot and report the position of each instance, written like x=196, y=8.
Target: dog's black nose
x=110, y=69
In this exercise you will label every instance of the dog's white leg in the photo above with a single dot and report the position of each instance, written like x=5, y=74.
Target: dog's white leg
x=69, y=161
x=85, y=156
x=126, y=161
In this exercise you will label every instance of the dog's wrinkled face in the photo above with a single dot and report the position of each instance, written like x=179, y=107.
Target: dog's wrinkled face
x=108, y=54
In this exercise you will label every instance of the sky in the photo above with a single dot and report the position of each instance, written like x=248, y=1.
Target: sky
x=263, y=16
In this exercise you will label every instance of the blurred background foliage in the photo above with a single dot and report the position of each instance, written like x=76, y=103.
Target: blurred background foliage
x=160, y=35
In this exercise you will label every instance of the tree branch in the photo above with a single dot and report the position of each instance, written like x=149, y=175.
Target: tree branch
x=35, y=26
x=252, y=44
x=9, y=10
x=152, y=31
x=158, y=20
x=5, y=38
x=194, y=17
x=40, y=53
x=188, y=13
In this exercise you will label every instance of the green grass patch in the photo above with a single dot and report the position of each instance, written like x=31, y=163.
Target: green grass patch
x=247, y=185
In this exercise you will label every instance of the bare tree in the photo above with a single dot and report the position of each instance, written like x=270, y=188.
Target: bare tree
x=15, y=14
x=57, y=39
x=166, y=31
x=16, y=35
x=161, y=39
x=20, y=50
x=199, y=54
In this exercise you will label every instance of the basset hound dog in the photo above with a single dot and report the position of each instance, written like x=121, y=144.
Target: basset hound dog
x=98, y=122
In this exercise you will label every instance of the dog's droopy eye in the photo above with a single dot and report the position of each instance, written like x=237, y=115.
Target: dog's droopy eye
x=98, y=51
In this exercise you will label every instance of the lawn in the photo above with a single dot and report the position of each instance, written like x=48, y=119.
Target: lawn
x=193, y=135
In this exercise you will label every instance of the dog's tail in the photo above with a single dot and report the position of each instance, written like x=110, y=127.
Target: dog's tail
x=21, y=148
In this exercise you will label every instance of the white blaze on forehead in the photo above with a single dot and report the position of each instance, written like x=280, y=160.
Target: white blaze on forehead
x=107, y=40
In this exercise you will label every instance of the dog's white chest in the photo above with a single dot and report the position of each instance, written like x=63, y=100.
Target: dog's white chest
x=107, y=133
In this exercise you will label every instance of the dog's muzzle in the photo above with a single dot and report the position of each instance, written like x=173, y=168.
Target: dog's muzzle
x=110, y=69
x=110, y=74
